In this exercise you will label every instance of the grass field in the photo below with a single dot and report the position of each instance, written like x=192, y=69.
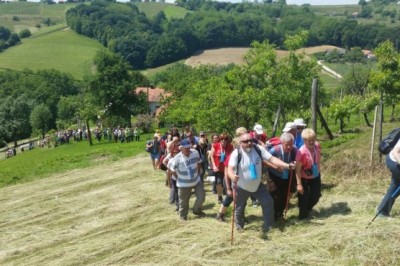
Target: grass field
x=29, y=14
x=115, y=211
x=151, y=9
x=64, y=50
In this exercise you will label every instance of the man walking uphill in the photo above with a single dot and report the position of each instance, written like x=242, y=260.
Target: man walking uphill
x=244, y=168
x=186, y=167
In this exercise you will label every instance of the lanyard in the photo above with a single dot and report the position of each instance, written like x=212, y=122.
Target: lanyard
x=313, y=158
x=283, y=155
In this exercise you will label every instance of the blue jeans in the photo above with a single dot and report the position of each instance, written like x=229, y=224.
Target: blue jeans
x=387, y=202
x=265, y=200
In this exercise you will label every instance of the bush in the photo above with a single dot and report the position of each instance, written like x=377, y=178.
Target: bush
x=38, y=26
x=145, y=122
x=25, y=33
x=15, y=18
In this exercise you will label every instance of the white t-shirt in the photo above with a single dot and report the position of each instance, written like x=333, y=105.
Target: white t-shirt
x=245, y=181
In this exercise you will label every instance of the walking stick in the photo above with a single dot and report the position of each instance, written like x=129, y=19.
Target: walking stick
x=288, y=193
x=233, y=210
x=391, y=197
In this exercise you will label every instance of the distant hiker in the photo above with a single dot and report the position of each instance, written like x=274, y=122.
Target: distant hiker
x=393, y=164
x=282, y=178
x=246, y=173
x=136, y=134
x=155, y=150
x=308, y=175
x=300, y=125
x=186, y=167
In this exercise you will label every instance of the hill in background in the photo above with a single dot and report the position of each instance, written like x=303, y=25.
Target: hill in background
x=64, y=50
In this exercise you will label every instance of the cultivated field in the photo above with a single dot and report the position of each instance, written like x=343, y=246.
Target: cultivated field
x=117, y=213
x=223, y=56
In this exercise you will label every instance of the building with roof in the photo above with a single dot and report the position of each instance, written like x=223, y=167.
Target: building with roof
x=155, y=97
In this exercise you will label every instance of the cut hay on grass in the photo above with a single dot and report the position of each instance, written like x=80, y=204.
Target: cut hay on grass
x=118, y=214
x=232, y=55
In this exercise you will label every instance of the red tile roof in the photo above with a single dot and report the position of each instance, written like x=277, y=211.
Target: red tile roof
x=156, y=95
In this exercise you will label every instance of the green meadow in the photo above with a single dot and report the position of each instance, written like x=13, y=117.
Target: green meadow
x=151, y=9
x=63, y=50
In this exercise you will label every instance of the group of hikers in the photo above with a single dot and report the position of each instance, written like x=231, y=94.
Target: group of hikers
x=250, y=165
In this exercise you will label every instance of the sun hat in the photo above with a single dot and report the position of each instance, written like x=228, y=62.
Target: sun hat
x=258, y=129
x=299, y=122
x=289, y=126
x=185, y=143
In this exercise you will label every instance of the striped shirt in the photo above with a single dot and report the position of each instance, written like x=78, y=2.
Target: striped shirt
x=186, y=167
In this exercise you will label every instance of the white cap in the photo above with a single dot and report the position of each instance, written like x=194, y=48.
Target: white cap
x=299, y=122
x=289, y=126
x=258, y=129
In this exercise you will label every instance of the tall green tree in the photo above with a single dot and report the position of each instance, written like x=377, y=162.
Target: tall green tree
x=14, y=118
x=40, y=118
x=111, y=90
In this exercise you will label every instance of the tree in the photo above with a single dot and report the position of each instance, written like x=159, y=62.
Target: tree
x=110, y=91
x=14, y=118
x=40, y=119
x=386, y=78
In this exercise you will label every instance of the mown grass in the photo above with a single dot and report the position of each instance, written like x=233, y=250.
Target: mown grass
x=117, y=213
x=64, y=50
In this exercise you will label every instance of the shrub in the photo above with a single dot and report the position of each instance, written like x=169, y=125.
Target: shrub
x=25, y=33
x=15, y=18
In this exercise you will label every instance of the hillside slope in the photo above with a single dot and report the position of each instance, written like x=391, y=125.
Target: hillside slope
x=118, y=214
x=63, y=50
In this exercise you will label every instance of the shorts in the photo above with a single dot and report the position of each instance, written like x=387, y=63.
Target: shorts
x=219, y=178
x=155, y=156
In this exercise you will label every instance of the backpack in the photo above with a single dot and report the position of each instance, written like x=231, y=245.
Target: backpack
x=272, y=142
x=389, y=141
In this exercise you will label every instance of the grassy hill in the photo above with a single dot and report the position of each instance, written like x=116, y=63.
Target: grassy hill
x=64, y=50
x=115, y=212
x=27, y=15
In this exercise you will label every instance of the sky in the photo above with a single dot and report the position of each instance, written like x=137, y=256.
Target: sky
x=322, y=2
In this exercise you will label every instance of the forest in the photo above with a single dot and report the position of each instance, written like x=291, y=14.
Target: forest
x=150, y=42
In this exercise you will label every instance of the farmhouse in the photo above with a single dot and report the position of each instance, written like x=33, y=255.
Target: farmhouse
x=155, y=96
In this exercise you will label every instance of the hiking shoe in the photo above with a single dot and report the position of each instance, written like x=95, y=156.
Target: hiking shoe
x=220, y=217
x=199, y=213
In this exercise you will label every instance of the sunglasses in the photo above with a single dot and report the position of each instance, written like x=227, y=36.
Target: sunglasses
x=247, y=141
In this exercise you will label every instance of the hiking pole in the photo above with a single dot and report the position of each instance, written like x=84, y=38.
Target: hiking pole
x=288, y=193
x=233, y=210
x=391, y=197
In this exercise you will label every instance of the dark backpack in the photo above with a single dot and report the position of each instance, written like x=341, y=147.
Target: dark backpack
x=389, y=141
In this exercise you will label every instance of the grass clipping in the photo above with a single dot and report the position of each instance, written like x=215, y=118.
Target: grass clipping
x=118, y=214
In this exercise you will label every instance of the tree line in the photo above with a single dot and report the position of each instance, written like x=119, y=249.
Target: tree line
x=150, y=42
x=35, y=102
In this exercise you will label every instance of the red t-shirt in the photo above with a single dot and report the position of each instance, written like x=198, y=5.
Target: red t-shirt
x=218, y=150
